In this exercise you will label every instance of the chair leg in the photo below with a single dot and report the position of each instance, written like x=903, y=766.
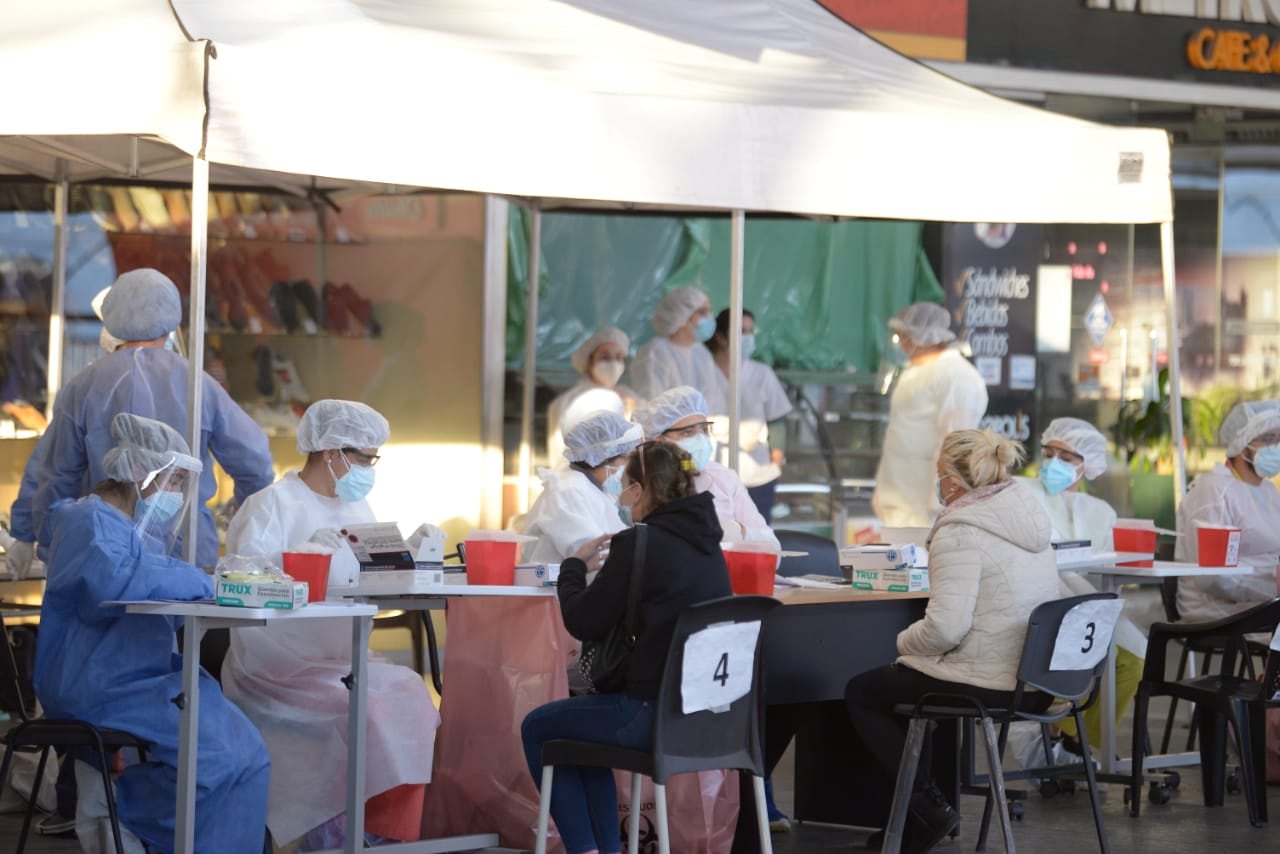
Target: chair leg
x=1250, y=723
x=1140, y=701
x=1212, y=725
x=633, y=826
x=31, y=803
x=416, y=638
x=1173, y=702
x=762, y=814
x=1092, y=777
x=660, y=807
x=111, y=798
x=1195, y=708
x=997, y=783
x=988, y=803
x=433, y=651
x=544, y=808
x=905, y=785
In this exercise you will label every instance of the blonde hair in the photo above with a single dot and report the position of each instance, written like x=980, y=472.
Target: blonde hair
x=979, y=457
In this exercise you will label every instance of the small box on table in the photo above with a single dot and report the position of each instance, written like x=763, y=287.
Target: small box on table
x=278, y=593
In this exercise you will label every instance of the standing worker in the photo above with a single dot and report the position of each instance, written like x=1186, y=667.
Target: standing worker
x=142, y=377
x=676, y=356
x=939, y=392
x=601, y=361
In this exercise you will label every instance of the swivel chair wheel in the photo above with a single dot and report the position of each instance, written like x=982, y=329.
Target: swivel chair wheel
x=1233, y=782
x=1159, y=794
x=1049, y=788
x=1016, y=810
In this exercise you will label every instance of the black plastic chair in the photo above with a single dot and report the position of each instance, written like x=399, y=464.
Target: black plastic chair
x=44, y=734
x=823, y=556
x=730, y=739
x=1229, y=698
x=1044, y=640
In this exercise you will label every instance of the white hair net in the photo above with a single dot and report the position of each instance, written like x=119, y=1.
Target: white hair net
x=669, y=407
x=676, y=308
x=581, y=357
x=599, y=437
x=925, y=323
x=1082, y=438
x=145, y=446
x=330, y=425
x=1246, y=421
x=142, y=305
x=588, y=403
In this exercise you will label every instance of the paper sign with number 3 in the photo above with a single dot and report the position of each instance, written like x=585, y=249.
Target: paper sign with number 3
x=719, y=662
x=1085, y=634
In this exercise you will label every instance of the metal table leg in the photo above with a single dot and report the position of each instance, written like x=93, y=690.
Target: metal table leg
x=357, y=706
x=188, y=738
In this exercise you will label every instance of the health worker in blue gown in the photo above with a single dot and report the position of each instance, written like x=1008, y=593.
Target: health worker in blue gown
x=143, y=378
x=122, y=671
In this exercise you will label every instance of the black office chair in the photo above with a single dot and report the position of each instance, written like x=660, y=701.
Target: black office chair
x=1059, y=657
x=730, y=739
x=823, y=556
x=44, y=734
x=1229, y=697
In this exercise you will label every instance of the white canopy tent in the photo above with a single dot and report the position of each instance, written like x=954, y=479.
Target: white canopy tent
x=736, y=105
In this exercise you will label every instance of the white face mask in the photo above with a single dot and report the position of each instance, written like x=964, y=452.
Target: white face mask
x=607, y=373
x=748, y=344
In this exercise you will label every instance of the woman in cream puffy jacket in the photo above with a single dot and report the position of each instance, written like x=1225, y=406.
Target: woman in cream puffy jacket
x=990, y=565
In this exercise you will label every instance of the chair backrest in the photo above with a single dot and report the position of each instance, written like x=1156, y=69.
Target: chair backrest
x=823, y=556
x=1260, y=619
x=1066, y=645
x=13, y=698
x=721, y=737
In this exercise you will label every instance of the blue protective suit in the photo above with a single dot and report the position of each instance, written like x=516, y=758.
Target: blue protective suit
x=121, y=670
x=20, y=522
x=153, y=383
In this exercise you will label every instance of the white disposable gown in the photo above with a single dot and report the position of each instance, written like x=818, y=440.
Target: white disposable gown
x=1076, y=516
x=287, y=679
x=570, y=511
x=736, y=511
x=930, y=401
x=761, y=399
x=661, y=365
x=1218, y=497
x=560, y=405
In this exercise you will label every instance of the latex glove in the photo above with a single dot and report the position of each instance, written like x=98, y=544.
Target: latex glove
x=18, y=557
x=329, y=538
x=425, y=531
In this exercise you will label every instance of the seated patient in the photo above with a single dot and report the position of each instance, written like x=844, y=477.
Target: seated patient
x=990, y=565
x=287, y=677
x=683, y=566
x=121, y=671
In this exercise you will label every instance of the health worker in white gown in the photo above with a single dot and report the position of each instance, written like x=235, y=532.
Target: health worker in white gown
x=580, y=503
x=601, y=361
x=677, y=357
x=287, y=677
x=679, y=416
x=940, y=392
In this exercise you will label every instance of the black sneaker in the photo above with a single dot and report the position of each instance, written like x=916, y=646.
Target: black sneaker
x=56, y=825
x=930, y=819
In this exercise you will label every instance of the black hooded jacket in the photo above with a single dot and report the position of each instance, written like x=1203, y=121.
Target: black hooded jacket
x=683, y=566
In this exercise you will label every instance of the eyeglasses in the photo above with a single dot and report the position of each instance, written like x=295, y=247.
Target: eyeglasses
x=361, y=457
x=1049, y=452
x=701, y=428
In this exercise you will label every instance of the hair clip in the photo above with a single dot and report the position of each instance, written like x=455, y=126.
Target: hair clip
x=686, y=465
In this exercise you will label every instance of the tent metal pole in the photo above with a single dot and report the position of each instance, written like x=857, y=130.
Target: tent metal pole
x=195, y=349
x=1175, y=379
x=493, y=360
x=58, y=301
x=530, y=358
x=737, y=241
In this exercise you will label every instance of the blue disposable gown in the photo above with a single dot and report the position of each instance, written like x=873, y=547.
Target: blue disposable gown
x=121, y=671
x=20, y=523
x=153, y=383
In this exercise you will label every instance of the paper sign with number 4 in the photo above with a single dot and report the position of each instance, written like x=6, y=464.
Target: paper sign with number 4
x=1085, y=634
x=719, y=662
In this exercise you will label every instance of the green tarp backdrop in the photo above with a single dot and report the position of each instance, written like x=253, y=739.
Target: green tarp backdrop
x=821, y=291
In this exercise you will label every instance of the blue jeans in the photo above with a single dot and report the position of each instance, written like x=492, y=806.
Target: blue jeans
x=584, y=801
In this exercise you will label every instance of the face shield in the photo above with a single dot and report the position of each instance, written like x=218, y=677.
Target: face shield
x=163, y=497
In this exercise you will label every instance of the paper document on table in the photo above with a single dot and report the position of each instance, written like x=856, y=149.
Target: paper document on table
x=378, y=546
x=719, y=664
x=113, y=603
x=821, y=582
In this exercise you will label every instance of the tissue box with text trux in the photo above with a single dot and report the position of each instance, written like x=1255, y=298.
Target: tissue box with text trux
x=909, y=579
x=283, y=594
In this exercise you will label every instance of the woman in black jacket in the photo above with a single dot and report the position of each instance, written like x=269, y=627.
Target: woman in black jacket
x=683, y=566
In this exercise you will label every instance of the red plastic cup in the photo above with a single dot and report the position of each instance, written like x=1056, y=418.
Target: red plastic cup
x=1135, y=540
x=1218, y=546
x=751, y=573
x=491, y=562
x=310, y=567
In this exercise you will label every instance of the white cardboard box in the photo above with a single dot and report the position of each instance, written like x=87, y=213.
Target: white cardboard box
x=272, y=593
x=878, y=557
x=906, y=580
x=537, y=575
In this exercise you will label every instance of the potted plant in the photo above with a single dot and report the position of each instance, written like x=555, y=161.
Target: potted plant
x=1142, y=434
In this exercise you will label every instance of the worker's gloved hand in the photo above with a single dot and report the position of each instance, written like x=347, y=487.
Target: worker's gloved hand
x=425, y=531
x=18, y=557
x=328, y=538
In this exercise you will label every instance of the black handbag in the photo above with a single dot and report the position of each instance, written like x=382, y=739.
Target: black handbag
x=604, y=663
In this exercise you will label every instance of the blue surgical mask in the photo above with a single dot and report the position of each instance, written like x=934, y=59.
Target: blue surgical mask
x=613, y=483
x=355, y=484
x=624, y=513
x=937, y=491
x=705, y=329
x=699, y=448
x=1266, y=461
x=159, y=507
x=748, y=344
x=1057, y=475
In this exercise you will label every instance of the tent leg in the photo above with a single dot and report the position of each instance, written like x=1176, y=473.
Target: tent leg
x=530, y=358
x=195, y=339
x=57, y=306
x=493, y=354
x=737, y=246
x=1173, y=348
